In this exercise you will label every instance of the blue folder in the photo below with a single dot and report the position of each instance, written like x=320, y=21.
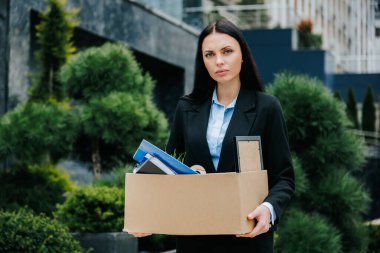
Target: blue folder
x=148, y=148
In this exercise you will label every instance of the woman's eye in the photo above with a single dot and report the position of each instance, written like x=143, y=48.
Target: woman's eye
x=227, y=51
x=208, y=55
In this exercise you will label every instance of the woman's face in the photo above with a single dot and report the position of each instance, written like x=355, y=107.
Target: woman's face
x=222, y=57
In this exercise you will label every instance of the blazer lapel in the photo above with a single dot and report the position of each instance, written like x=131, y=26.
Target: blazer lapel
x=198, y=122
x=241, y=123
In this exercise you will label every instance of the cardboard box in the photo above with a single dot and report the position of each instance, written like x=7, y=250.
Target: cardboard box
x=208, y=204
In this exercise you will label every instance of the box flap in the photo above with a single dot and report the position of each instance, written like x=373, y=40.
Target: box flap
x=249, y=153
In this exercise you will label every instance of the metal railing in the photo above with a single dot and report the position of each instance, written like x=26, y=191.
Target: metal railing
x=250, y=16
x=359, y=63
x=280, y=15
x=372, y=141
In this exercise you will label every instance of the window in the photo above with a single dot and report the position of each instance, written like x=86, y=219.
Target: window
x=377, y=31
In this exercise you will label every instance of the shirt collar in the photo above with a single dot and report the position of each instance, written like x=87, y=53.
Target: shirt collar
x=216, y=101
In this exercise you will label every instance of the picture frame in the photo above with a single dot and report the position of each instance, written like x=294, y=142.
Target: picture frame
x=248, y=148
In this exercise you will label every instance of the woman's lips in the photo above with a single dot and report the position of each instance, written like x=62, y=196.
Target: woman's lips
x=222, y=72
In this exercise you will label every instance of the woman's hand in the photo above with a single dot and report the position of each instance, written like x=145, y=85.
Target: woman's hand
x=262, y=217
x=135, y=234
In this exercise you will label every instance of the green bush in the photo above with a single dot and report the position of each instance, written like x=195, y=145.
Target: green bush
x=22, y=231
x=93, y=209
x=300, y=177
x=121, y=128
x=374, y=239
x=351, y=108
x=115, y=106
x=327, y=153
x=307, y=233
x=39, y=187
x=338, y=96
x=349, y=196
x=369, y=111
x=37, y=132
x=317, y=125
x=98, y=71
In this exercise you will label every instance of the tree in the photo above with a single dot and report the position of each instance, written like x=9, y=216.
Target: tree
x=338, y=96
x=35, y=133
x=54, y=38
x=369, y=111
x=329, y=201
x=351, y=108
x=114, y=105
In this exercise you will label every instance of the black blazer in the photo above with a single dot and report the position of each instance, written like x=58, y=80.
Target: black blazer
x=255, y=113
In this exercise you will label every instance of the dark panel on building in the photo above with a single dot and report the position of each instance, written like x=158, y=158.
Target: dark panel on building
x=273, y=52
x=359, y=83
x=4, y=54
x=169, y=82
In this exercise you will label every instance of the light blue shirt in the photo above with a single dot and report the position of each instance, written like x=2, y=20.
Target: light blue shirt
x=220, y=117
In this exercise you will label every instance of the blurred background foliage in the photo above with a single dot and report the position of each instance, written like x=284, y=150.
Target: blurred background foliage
x=326, y=213
x=24, y=231
x=96, y=106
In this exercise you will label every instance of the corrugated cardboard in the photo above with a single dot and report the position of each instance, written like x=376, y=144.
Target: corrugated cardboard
x=194, y=204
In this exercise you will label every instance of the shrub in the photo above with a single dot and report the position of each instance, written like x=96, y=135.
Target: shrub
x=300, y=177
x=115, y=105
x=93, y=209
x=306, y=233
x=118, y=128
x=369, y=111
x=351, y=108
x=39, y=187
x=338, y=96
x=37, y=132
x=22, y=231
x=98, y=71
x=328, y=152
x=374, y=236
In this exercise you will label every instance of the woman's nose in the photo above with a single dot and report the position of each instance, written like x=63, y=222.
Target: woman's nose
x=219, y=60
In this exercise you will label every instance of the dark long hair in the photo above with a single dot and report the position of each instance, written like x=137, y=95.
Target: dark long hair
x=203, y=83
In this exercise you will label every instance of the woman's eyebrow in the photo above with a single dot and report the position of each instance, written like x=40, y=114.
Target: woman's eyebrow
x=226, y=47
x=210, y=50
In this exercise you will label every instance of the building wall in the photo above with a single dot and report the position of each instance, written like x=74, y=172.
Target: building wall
x=146, y=31
x=359, y=83
x=171, y=7
x=273, y=52
x=347, y=28
x=4, y=55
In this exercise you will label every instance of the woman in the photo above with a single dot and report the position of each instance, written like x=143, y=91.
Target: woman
x=227, y=101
